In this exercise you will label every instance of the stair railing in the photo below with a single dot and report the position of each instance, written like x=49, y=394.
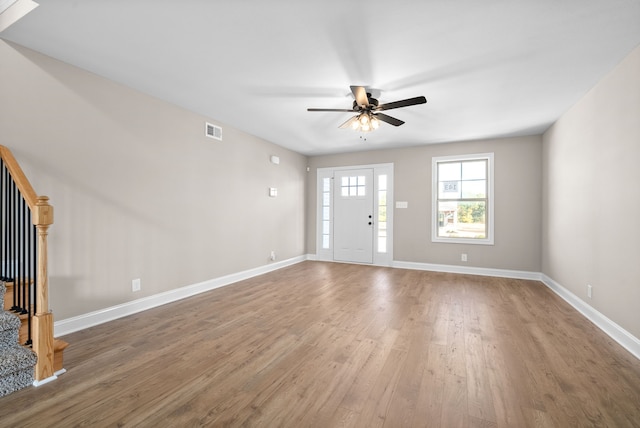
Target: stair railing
x=26, y=218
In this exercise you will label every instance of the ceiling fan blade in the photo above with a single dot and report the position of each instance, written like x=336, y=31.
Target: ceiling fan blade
x=390, y=120
x=402, y=103
x=330, y=109
x=348, y=123
x=360, y=93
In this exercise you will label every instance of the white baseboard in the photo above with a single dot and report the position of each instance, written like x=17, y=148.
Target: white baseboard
x=101, y=316
x=613, y=330
x=469, y=270
x=38, y=383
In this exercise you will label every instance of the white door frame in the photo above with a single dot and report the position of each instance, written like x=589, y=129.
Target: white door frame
x=324, y=212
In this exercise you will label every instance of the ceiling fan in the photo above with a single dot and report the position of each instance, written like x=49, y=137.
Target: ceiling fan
x=367, y=108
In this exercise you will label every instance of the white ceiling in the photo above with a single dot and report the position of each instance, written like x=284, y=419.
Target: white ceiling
x=488, y=68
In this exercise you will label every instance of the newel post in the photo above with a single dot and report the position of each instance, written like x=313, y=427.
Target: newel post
x=43, y=319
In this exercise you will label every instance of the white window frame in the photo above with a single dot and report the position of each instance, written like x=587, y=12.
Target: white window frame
x=490, y=212
x=379, y=259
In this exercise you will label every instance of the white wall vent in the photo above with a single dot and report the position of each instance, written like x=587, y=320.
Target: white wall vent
x=213, y=131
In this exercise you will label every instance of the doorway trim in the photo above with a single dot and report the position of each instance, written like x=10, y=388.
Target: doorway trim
x=325, y=215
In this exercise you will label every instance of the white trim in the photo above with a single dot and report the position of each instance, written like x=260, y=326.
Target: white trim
x=38, y=383
x=501, y=273
x=101, y=316
x=613, y=330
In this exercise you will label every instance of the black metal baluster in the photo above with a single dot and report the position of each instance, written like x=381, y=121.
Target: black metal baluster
x=5, y=223
x=34, y=288
x=12, y=244
x=22, y=260
x=29, y=274
x=2, y=220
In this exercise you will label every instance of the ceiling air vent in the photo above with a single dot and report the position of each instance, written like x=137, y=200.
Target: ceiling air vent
x=213, y=131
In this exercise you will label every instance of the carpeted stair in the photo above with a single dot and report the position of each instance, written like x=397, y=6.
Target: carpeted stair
x=16, y=362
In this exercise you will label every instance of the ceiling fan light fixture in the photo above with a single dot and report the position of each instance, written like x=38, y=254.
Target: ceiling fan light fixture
x=368, y=110
x=365, y=122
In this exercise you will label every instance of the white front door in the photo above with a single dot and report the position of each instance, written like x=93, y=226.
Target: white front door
x=353, y=216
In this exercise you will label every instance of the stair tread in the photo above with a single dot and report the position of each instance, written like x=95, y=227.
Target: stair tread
x=16, y=359
x=8, y=321
x=59, y=345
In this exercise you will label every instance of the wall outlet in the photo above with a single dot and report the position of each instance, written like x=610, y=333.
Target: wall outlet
x=463, y=257
x=272, y=257
x=135, y=285
x=589, y=290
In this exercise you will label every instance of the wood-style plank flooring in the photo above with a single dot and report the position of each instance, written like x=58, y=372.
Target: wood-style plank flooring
x=338, y=345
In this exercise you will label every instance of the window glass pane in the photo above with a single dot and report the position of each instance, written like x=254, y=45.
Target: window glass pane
x=326, y=227
x=353, y=191
x=326, y=184
x=345, y=191
x=361, y=180
x=345, y=181
x=353, y=181
x=449, y=171
x=462, y=219
x=325, y=213
x=382, y=182
x=474, y=170
x=326, y=198
x=474, y=189
x=382, y=244
x=382, y=197
x=361, y=191
x=382, y=213
x=449, y=189
x=325, y=241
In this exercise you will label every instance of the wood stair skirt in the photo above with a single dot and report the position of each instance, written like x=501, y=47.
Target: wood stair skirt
x=59, y=345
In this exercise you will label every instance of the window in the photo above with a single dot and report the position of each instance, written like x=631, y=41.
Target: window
x=326, y=213
x=463, y=199
x=353, y=186
x=382, y=213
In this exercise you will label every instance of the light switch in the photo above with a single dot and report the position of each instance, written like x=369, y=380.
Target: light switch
x=273, y=192
x=402, y=204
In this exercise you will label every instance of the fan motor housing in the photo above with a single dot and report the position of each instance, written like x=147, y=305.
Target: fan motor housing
x=372, y=102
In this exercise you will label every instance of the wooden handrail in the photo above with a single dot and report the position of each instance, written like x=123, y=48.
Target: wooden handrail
x=42, y=218
x=18, y=176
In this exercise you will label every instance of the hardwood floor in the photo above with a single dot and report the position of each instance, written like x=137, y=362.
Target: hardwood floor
x=338, y=345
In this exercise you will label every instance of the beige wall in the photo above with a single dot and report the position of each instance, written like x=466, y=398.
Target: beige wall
x=138, y=191
x=592, y=197
x=518, y=166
